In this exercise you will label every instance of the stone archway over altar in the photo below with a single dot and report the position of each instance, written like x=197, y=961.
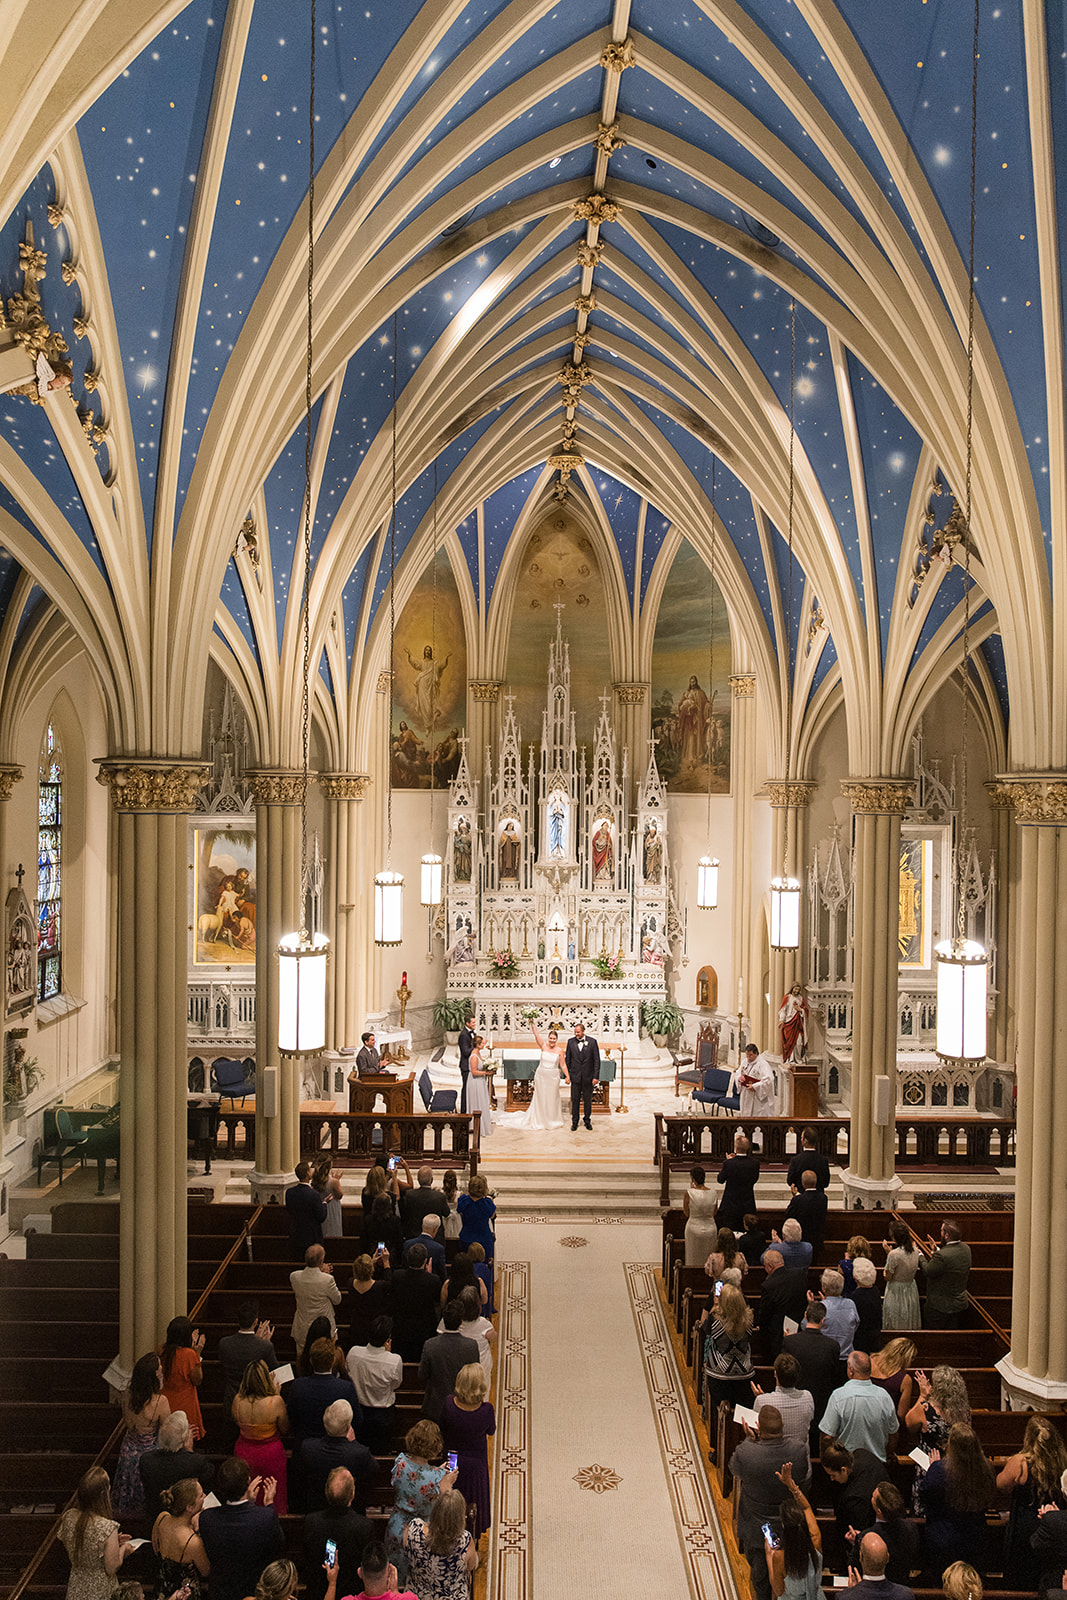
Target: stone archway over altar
x=558, y=896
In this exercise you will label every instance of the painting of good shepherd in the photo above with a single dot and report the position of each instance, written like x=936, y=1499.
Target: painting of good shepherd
x=691, y=705
x=429, y=683
x=225, y=896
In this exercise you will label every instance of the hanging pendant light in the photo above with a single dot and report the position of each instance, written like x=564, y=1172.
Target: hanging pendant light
x=431, y=880
x=708, y=865
x=389, y=885
x=708, y=883
x=962, y=964
x=388, y=907
x=785, y=889
x=301, y=957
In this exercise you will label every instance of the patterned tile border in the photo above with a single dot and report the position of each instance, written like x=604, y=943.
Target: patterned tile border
x=509, y=1555
x=707, y=1563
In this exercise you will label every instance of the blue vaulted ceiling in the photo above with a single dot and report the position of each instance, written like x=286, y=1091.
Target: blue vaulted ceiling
x=186, y=230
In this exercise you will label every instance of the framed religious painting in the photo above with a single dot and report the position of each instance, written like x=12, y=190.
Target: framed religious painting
x=224, y=896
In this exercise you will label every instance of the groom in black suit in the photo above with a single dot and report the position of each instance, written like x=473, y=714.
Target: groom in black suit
x=466, y=1045
x=582, y=1061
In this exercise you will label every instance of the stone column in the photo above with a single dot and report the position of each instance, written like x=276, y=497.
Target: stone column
x=1002, y=1033
x=483, y=699
x=352, y=903
x=877, y=806
x=277, y=795
x=152, y=801
x=1035, y=1373
x=632, y=727
x=789, y=841
x=743, y=993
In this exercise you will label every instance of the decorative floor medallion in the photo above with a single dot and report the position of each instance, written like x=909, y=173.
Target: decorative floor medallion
x=599, y=1479
x=574, y=1241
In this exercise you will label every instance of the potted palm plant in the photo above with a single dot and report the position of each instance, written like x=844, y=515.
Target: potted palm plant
x=662, y=1019
x=450, y=1013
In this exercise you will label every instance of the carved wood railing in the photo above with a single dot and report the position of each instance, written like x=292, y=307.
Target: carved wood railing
x=355, y=1139
x=948, y=1143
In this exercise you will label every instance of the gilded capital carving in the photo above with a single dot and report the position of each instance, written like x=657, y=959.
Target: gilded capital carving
x=795, y=793
x=485, y=689
x=597, y=208
x=344, y=785
x=384, y=680
x=278, y=787
x=617, y=57
x=1040, y=798
x=585, y=302
x=153, y=785
x=574, y=375
x=743, y=685
x=879, y=796
x=1001, y=794
x=630, y=694
x=9, y=776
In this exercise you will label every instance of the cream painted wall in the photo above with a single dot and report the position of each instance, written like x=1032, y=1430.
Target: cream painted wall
x=709, y=931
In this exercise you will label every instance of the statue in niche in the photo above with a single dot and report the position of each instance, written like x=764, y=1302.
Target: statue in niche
x=793, y=1024
x=603, y=853
x=653, y=852
x=461, y=851
x=509, y=852
x=557, y=825
x=462, y=951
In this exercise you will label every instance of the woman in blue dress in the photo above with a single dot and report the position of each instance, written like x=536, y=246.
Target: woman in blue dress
x=476, y=1212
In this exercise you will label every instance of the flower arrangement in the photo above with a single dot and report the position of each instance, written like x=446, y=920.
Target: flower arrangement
x=529, y=1015
x=503, y=965
x=609, y=967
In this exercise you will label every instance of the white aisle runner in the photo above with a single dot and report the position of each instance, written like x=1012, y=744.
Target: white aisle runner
x=599, y=1490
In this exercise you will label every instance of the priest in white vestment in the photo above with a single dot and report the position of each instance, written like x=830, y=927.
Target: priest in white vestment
x=755, y=1079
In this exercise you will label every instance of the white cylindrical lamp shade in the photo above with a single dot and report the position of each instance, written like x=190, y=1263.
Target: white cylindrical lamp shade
x=431, y=881
x=302, y=994
x=708, y=883
x=962, y=972
x=388, y=908
x=785, y=914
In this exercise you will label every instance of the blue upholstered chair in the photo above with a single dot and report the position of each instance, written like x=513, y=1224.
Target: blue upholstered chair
x=435, y=1099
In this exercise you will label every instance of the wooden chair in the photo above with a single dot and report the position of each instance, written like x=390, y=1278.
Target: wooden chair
x=705, y=1057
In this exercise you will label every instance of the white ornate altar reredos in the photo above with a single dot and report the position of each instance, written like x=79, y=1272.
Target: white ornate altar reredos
x=556, y=872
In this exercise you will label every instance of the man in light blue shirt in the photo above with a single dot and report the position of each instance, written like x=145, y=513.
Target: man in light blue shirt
x=842, y=1318
x=859, y=1415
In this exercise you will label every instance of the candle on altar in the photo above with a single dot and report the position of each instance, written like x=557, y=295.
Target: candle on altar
x=740, y=993
x=403, y=980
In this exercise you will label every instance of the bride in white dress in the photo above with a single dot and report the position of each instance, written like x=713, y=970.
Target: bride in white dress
x=543, y=1111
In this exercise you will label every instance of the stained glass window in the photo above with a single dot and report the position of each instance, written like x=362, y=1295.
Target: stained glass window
x=50, y=868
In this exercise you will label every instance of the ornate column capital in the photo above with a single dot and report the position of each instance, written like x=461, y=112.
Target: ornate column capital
x=485, y=689
x=1001, y=794
x=152, y=785
x=1038, y=798
x=277, y=786
x=630, y=694
x=743, y=685
x=879, y=796
x=384, y=680
x=9, y=776
x=797, y=792
x=344, y=785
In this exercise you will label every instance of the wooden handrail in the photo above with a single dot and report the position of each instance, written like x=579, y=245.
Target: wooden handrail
x=925, y=1249
x=115, y=1436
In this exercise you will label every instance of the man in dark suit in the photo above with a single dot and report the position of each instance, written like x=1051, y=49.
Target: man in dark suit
x=442, y=1358
x=416, y=1303
x=432, y=1245
x=369, y=1060
x=466, y=1045
x=240, y=1538
x=307, y=1213
x=1049, y=1543
x=338, y=1447
x=899, y=1534
x=809, y=1206
x=421, y=1200
x=947, y=1271
x=785, y=1291
x=350, y=1531
x=251, y=1342
x=819, y=1358
x=738, y=1176
x=874, y=1558
x=306, y=1399
x=854, y=1476
x=808, y=1159
x=173, y=1459
x=581, y=1062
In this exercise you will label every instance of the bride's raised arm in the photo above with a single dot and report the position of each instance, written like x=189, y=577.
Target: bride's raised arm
x=541, y=1045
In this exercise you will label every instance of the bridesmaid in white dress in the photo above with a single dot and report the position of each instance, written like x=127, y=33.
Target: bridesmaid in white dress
x=478, y=1087
x=543, y=1111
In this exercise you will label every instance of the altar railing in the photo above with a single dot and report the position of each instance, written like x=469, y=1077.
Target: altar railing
x=355, y=1140
x=921, y=1142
